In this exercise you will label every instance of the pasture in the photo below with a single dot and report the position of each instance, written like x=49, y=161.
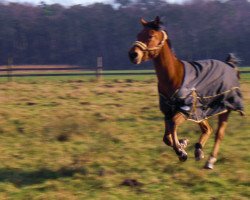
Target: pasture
x=75, y=138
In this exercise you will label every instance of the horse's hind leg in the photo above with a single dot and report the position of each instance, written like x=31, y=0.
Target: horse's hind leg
x=222, y=124
x=206, y=130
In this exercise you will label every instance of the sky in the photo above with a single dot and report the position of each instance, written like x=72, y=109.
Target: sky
x=73, y=2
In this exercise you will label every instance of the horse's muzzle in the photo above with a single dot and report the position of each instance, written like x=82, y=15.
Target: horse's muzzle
x=134, y=56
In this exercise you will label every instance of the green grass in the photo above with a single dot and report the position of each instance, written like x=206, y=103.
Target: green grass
x=244, y=68
x=245, y=77
x=76, y=138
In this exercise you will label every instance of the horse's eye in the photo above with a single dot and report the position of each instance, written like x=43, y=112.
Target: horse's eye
x=151, y=36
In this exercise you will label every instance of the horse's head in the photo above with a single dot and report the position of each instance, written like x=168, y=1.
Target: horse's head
x=149, y=42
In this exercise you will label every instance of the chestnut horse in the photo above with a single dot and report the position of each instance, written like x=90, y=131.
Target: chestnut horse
x=153, y=44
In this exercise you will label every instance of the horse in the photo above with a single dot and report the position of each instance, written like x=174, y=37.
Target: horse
x=189, y=90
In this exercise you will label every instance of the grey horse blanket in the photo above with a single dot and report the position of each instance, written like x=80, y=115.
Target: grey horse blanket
x=210, y=87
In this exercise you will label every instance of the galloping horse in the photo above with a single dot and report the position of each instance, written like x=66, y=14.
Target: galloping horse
x=189, y=90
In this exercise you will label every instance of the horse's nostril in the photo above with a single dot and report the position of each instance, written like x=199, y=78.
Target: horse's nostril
x=133, y=55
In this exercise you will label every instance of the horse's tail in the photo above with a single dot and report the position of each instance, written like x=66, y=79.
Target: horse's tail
x=233, y=61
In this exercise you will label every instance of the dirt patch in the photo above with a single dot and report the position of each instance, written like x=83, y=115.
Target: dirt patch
x=131, y=183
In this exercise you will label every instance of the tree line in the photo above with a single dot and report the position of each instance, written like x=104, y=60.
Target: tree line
x=77, y=35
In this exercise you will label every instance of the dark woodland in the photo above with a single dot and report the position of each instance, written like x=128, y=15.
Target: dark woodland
x=77, y=35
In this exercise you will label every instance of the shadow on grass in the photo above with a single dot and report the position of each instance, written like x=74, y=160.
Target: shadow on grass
x=20, y=177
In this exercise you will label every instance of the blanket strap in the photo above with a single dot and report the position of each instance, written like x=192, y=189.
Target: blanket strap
x=194, y=94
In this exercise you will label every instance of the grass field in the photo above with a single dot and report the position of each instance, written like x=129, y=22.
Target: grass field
x=76, y=138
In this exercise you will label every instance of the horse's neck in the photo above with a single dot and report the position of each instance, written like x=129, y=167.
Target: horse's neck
x=169, y=70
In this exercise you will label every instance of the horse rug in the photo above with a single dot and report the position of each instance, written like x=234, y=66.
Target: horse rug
x=210, y=87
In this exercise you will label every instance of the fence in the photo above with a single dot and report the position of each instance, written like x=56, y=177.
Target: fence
x=39, y=71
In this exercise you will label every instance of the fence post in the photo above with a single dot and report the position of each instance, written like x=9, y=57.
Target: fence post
x=9, y=68
x=99, y=68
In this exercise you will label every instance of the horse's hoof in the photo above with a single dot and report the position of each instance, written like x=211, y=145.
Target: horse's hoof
x=183, y=143
x=198, y=154
x=210, y=163
x=183, y=156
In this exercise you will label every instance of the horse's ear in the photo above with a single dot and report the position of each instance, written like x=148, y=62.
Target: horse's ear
x=143, y=22
x=157, y=20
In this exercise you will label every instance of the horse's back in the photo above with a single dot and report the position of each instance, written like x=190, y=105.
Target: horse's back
x=209, y=88
x=210, y=77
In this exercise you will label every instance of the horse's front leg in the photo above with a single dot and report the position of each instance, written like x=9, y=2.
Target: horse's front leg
x=177, y=146
x=167, y=138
